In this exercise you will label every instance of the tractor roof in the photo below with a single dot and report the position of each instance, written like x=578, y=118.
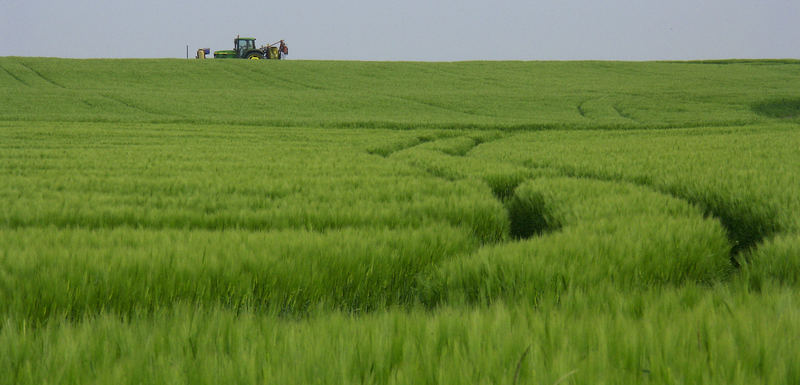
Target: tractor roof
x=246, y=38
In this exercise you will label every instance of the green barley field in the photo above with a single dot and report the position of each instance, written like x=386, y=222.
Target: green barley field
x=309, y=222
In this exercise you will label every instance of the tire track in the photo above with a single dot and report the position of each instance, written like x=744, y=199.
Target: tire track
x=15, y=76
x=581, y=110
x=429, y=104
x=744, y=231
x=436, y=170
x=387, y=150
x=269, y=77
x=137, y=108
x=39, y=74
x=276, y=77
x=480, y=141
x=623, y=114
x=739, y=225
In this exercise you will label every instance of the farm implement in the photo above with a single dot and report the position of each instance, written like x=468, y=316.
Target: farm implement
x=245, y=48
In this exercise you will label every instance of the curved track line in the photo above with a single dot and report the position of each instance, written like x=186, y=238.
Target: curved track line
x=623, y=114
x=727, y=221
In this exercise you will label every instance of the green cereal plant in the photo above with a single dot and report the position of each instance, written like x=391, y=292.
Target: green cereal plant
x=603, y=233
x=74, y=273
x=660, y=337
x=187, y=221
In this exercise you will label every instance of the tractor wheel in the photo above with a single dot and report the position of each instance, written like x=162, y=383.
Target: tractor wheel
x=254, y=56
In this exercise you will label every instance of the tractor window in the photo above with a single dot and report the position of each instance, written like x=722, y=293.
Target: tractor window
x=243, y=45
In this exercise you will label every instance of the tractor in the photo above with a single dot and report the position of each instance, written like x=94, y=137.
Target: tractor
x=245, y=48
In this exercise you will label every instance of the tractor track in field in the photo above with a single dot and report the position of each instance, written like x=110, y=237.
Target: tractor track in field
x=270, y=77
x=39, y=74
x=477, y=143
x=437, y=106
x=293, y=82
x=388, y=152
x=14, y=76
x=135, y=107
x=422, y=140
x=735, y=225
x=460, y=77
x=456, y=155
x=581, y=110
x=623, y=114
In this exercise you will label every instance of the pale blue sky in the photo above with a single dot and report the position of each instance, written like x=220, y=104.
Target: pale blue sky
x=444, y=30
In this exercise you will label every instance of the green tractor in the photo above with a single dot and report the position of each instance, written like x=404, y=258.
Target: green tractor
x=245, y=48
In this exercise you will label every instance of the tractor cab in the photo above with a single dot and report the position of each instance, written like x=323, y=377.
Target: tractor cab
x=243, y=45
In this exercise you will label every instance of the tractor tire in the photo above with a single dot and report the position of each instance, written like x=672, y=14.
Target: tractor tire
x=254, y=56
